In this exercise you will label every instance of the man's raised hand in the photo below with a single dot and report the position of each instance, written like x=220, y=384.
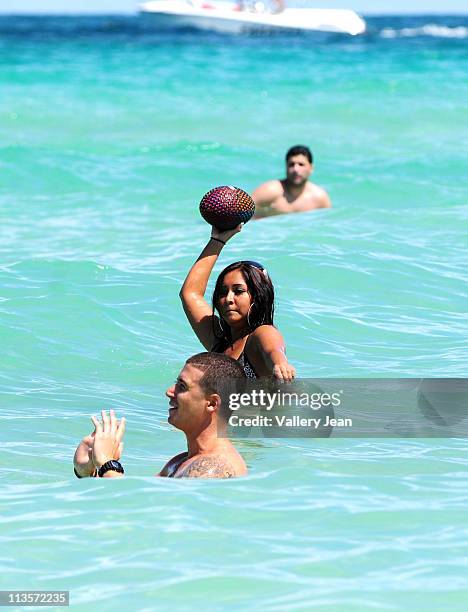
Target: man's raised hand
x=108, y=435
x=83, y=459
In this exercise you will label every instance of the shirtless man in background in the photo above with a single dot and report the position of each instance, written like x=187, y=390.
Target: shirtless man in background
x=295, y=193
x=195, y=408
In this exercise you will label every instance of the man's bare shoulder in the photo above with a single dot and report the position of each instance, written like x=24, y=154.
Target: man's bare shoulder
x=268, y=191
x=319, y=196
x=172, y=465
x=266, y=196
x=208, y=466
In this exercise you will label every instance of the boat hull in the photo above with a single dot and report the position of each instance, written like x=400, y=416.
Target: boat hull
x=173, y=14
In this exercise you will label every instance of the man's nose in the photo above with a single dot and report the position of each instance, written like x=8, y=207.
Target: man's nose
x=170, y=391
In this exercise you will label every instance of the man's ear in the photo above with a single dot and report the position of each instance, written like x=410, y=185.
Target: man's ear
x=214, y=403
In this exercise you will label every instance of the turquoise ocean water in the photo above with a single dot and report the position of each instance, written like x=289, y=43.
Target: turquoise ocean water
x=110, y=133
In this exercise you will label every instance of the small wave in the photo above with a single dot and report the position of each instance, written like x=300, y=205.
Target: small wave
x=431, y=29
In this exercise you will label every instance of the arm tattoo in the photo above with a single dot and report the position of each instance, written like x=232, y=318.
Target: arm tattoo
x=208, y=467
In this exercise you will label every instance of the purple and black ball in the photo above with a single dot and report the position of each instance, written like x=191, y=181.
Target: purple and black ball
x=225, y=207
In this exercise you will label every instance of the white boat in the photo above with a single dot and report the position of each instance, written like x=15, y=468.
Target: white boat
x=228, y=17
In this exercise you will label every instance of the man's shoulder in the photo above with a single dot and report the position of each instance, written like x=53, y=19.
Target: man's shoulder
x=208, y=466
x=266, y=196
x=318, y=195
x=271, y=189
x=172, y=465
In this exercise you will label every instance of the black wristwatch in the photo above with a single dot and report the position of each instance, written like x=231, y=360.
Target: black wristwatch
x=112, y=465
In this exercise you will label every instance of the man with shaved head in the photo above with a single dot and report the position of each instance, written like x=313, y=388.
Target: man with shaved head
x=197, y=406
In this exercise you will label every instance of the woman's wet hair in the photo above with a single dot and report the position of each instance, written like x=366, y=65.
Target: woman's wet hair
x=262, y=295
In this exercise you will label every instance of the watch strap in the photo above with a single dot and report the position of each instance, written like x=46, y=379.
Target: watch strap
x=114, y=466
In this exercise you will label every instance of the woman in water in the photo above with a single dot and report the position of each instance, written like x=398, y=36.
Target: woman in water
x=244, y=299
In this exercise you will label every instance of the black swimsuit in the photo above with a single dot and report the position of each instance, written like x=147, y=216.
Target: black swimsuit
x=248, y=367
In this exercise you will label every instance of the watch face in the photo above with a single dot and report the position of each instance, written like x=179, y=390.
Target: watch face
x=110, y=465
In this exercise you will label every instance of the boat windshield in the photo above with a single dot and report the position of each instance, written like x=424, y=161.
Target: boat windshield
x=271, y=6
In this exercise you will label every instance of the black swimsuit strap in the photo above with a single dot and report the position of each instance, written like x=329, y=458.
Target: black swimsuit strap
x=249, y=370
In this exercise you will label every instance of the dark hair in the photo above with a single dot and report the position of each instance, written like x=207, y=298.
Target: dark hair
x=222, y=375
x=300, y=150
x=262, y=293
x=216, y=368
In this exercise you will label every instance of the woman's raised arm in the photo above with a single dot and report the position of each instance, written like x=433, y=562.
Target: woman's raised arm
x=198, y=311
